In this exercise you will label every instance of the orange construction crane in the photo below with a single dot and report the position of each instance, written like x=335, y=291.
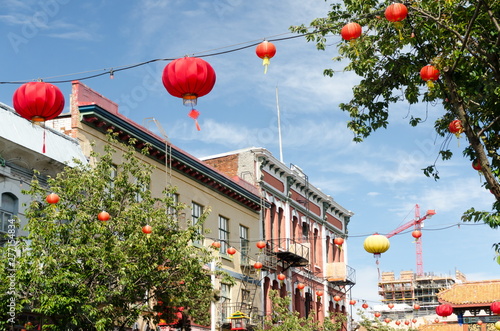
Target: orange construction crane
x=417, y=222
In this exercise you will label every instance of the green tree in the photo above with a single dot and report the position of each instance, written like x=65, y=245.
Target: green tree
x=461, y=38
x=283, y=319
x=375, y=324
x=81, y=273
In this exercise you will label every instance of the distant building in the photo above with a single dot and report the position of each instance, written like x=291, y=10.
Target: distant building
x=407, y=290
x=299, y=230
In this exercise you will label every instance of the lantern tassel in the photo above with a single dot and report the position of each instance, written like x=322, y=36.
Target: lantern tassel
x=197, y=125
x=430, y=84
x=265, y=63
x=194, y=115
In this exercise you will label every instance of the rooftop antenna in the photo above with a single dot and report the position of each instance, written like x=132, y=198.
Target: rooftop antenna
x=279, y=125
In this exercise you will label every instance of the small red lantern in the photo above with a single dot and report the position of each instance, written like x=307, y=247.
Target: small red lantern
x=396, y=12
x=337, y=298
x=147, y=229
x=479, y=322
x=407, y=322
x=319, y=293
x=216, y=244
x=387, y=320
x=416, y=306
x=456, y=128
x=231, y=251
x=301, y=286
x=189, y=78
x=476, y=165
x=398, y=322
x=52, y=198
x=444, y=310
x=495, y=307
x=414, y=320
x=281, y=277
x=338, y=241
x=416, y=234
x=265, y=50
x=436, y=320
x=364, y=305
x=260, y=244
x=429, y=74
x=391, y=305
x=38, y=101
x=103, y=216
x=257, y=265
x=351, y=31
x=377, y=314
x=352, y=302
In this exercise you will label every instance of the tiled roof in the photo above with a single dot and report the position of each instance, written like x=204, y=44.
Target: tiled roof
x=472, y=293
x=440, y=327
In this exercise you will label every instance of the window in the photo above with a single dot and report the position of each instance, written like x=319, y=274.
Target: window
x=223, y=233
x=245, y=296
x=244, y=244
x=143, y=188
x=196, y=214
x=8, y=209
x=305, y=230
x=172, y=210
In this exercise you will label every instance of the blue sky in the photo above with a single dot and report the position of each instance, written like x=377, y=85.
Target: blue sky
x=379, y=180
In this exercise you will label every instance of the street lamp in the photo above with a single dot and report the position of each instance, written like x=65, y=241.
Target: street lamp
x=238, y=320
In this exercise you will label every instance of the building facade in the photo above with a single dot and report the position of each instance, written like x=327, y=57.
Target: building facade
x=300, y=258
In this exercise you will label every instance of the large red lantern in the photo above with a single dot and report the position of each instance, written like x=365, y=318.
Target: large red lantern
x=416, y=234
x=495, y=307
x=429, y=74
x=189, y=78
x=265, y=50
x=338, y=241
x=38, y=101
x=396, y=12
x=444, y=310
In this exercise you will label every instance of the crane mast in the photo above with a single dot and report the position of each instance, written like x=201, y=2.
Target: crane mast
x=417, y=223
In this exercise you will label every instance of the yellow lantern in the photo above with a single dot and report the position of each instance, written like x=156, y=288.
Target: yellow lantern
x=376, y=244
x=497, y=325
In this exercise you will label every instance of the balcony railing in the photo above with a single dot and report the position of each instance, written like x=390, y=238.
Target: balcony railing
x=287, y=250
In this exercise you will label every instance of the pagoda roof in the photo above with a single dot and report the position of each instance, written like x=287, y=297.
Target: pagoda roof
x=471, y=294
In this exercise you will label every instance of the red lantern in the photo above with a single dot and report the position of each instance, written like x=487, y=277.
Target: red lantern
x=456, y=127
x=231, y=251
x=479, y=322
x=414, y=320
x=416, y=306
x=38, y=101
x=407, y=322
x=476, y=165
x=337, y=298
x=416, y=234
x=147, y=229
x=216, y=244
x=351, y=31
x=52, y=198
x=281, y=277
x=391, y=305
x=189, y=78
x=444, y=310
x=257, y=265
x=301, y=286
x=429, y=74
x=396, y=12
x=387, y=320
x=338, y=241
x=436, y=320
x=364, y=305
x=495, y=307
x=319, y=294
x=265, y=50
x=260, y=244
x=103, y=216
x=398, y=322
x=377, y=314
x=352, y=302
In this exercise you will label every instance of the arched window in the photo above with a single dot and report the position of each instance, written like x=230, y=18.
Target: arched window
x=8, y=209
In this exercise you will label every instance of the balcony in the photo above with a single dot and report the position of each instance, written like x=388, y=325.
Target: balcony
x=339, y=273
x=287, y=251
x=227, y=309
